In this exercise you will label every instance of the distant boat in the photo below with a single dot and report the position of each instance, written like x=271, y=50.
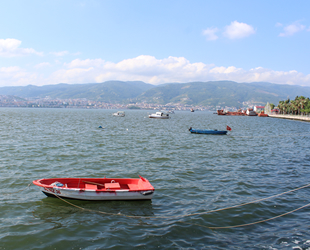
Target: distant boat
x=208, y=131
x=160, y=115
x=119, y=114
x=232, y=113
x=251, y=112
x=94, y=189
x=262, y=114
x=192, y=110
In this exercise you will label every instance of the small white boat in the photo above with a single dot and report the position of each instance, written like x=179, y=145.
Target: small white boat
x=96, y=189
x=160, y=115
x=119, y=114
x=251, y=112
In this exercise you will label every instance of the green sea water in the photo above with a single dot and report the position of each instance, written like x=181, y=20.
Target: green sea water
x=191, y=173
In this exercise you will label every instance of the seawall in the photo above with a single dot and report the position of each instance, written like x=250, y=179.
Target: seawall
x=292, y=117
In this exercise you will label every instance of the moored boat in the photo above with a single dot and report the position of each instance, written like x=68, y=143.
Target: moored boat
x=160, y=115
x=208, y=131
x=262, y=114
x=251, y=112
x=119, y=114
x=97, y=188
x=232, y=113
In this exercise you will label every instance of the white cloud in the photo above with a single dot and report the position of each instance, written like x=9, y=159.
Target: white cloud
x=42, y=65
x=291, y=29
x=209, y=33
x=8, y=70
x=85, y=63
x=10, y=48
x=172, y=69
x=238, y=30
x=148, y=69
x=60, y=53
x=15, y=76
x=279, y=25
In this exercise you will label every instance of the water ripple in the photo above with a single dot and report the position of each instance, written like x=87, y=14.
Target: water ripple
x=191, y=174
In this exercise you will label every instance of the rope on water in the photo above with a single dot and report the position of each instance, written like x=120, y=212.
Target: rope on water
x=193, y=214
x=249, y=224
x=243, y=204
x=19, y=190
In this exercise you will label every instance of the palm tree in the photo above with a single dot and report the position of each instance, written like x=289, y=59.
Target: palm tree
x=300, y=105
x=281, y=106
x=294, y=106
x=286, y=106
x=306, y=107
x=302, y=101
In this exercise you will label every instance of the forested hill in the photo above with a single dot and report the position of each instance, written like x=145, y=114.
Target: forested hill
x=111, y=91
x=223, y=93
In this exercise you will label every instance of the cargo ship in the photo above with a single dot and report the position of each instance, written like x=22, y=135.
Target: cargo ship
x=236, y=113
x=248, y=112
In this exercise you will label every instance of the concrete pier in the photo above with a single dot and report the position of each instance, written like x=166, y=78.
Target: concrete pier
x=292, y=117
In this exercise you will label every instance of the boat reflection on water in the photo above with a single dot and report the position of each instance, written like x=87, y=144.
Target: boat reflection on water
x=51, y=210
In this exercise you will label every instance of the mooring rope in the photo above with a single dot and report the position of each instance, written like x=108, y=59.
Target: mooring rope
x=19, y=190
x=252, y=223
x=211, y=211
x=194, y=214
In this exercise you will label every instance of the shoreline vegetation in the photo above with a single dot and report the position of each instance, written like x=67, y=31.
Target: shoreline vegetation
x=298, y=109
x=299, y=106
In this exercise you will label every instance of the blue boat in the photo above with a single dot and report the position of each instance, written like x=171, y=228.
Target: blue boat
x=208, y=131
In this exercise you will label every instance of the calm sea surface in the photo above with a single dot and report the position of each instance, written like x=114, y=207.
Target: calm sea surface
x=191, y=174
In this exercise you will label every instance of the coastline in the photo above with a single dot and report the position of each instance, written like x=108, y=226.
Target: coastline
x=292, y=117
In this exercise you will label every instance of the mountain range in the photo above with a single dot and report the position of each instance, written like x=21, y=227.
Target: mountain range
x=212, y=93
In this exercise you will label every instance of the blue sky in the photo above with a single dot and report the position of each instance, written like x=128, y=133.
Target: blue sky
x=77, y=41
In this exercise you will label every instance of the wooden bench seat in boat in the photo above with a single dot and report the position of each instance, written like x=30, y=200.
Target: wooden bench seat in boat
x=114, y=185
x=133, y=186
x=91, y=186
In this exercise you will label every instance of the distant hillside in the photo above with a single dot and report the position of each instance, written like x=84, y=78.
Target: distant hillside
x=223, y=93
x=213, y=93
x=111, y=91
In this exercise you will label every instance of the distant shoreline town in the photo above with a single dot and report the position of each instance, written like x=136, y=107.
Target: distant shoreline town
x=83, y=103
x=299, y=106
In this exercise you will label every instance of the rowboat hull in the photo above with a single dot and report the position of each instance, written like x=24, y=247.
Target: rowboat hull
x=92, y=195
x=208, y=131
x=97, y=189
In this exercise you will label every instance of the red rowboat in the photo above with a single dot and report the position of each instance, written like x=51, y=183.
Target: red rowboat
x=97, y=188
